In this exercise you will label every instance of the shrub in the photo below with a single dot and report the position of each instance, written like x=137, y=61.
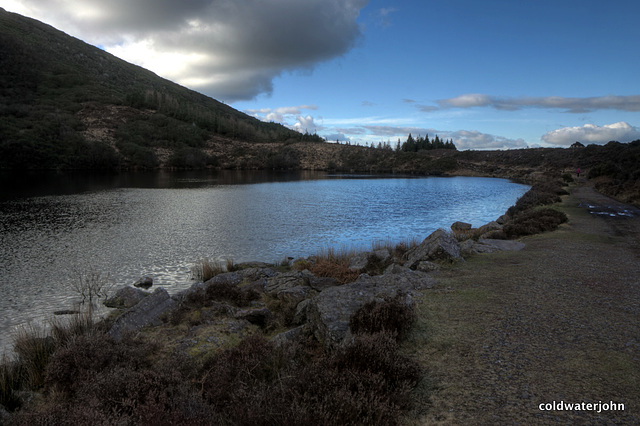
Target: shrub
x=62, y=330
x=33, y=348
x=90, y=284
x=9, y=383
x=95, y=380
x=533, y=222
x=392, y=316
x=540, y=194
x=366, y=382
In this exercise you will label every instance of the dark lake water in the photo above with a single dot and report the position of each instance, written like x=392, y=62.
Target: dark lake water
x=160, y=224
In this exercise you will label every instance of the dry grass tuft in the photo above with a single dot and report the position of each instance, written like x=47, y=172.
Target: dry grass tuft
x=205, y=269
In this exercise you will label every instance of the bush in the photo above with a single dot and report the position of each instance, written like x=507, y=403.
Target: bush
x=533, y=222
x=9, y=383
x=33, y=348
x=540, y=194
x=366, y=382
x=392, y=316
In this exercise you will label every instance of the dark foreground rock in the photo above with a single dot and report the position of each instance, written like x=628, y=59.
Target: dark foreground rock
x=148, y=312
x=329, y=312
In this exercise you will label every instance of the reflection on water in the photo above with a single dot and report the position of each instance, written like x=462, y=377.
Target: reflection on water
x=158, y=224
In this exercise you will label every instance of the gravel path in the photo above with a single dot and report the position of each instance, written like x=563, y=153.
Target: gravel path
x=557, y=321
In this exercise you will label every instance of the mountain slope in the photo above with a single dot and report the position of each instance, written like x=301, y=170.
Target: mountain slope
x=67, y=104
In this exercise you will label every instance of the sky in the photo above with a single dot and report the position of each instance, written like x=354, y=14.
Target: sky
x=489, y=74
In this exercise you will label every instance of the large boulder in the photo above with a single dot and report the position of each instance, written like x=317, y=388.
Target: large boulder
x=460, y=226
x=148, y=312
x=486, y=245
x=286, y=281
x=440, y=246
x=488, y=228
x=328, y=314
x=125, y=297
x=225, y=278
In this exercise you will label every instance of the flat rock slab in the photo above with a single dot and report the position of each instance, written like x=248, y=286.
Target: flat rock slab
x=502, y=245
x=145, y=313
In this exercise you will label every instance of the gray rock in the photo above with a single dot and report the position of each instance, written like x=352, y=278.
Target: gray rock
x=322, y=283
x=195, y=288
x=125, y=297
x=147, y=312
x=440, y=246
x=225, y=278
x=359, y=261
x=426, y=266
x=257, y=273
x=286, y=336
x=461, y=226
x=489, y=227
x=467, y=248
x=485, y=245
x=329, y=312
x=259, y=316
x=144, y=282
x=296, y=295
x=301, y=312
x=286, y=281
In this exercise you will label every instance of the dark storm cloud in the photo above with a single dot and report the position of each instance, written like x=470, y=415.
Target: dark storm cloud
x=228, y=49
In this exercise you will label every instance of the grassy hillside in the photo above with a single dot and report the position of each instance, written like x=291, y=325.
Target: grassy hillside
x=66, y=104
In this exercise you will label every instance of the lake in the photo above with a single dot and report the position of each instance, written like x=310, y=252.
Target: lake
x=159, y=224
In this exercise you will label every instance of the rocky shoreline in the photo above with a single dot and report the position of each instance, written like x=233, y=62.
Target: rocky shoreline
x=316, y=305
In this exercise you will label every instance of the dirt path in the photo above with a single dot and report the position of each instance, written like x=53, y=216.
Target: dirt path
x=557, y=321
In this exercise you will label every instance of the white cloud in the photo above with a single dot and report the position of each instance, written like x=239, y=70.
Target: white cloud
x=280, y=114
x=591, y=133
x=306, y=124
x=573, y=105
x=228, y=49
x=472, y=139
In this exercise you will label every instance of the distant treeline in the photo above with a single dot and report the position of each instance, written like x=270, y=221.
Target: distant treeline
x=417, y=144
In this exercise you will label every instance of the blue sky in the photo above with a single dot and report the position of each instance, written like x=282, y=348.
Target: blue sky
x=488, y=74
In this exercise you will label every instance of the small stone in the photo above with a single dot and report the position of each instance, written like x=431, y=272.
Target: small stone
x=144, y=282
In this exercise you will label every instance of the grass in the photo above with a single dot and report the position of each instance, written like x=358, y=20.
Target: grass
x=335, y=263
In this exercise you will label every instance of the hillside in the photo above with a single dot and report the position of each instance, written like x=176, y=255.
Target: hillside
x=67, y=104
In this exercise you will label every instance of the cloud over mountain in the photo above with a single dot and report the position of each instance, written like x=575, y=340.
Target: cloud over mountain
x=228, y=49
x=590, y=133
